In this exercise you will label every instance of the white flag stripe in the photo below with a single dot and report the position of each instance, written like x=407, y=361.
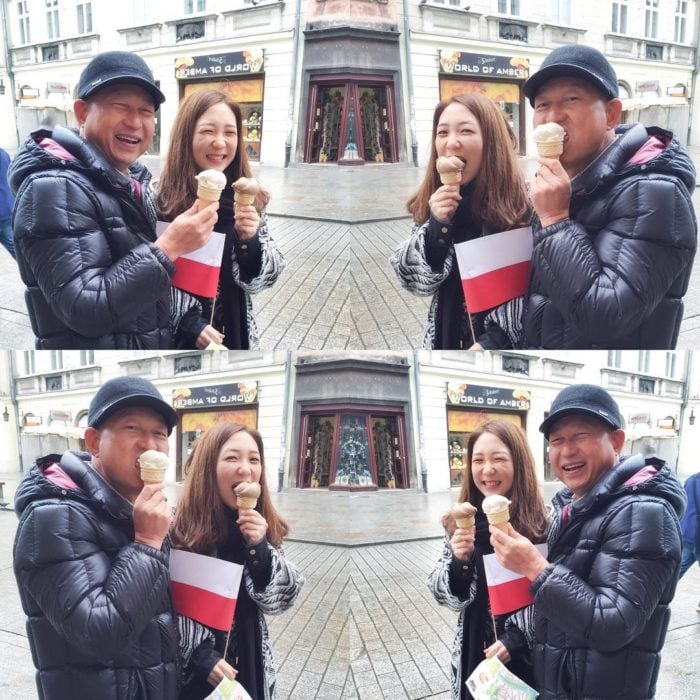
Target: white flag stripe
x=496, y=573
x=211, y=574
x=209, y=254
x=494, y=251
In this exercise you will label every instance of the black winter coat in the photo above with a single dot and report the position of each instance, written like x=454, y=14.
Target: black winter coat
x=602, y=604
x=85, y=249
x=100, y=618
x=614, y=274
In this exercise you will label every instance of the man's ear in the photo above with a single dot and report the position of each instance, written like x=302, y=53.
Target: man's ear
x=92, y=441
x=617, y=437
x=613, y=111
x=81, y=109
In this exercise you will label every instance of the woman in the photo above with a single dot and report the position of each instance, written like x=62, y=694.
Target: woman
x=208, y=522
x=499, y=461
x=205, y=136
x=490, y=198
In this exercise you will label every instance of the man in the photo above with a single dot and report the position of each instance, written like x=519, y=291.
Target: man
x=89, y=559
x=84, y=221
x=6, y=203
x=690, y=528
x=602, y=597
x=614, y=231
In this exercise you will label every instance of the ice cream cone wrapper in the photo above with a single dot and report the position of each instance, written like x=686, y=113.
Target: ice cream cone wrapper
x=451, y=178
x=152, y=475
x=246, y=502
x=207, y=195
x=552, y=149
x=242, y=198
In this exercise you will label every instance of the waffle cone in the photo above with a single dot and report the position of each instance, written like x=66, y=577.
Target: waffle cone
x=152, y=475
x=207, y=195
x=499, y=520
x=246, y=502
x=550, y=149
x=465, y=523
x=243, y=198
x=453, y=178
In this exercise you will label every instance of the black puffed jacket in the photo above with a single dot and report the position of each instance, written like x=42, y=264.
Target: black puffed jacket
x=602, y=604
x=85, y=248
x=613, y=275
x=99, y=614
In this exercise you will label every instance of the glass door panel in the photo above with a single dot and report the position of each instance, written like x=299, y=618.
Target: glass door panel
x=318, y=452
x=327, y=120
x=353, y=461
x=374, y=123
x=387, y=452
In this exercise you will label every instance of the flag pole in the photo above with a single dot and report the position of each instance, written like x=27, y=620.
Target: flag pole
x=228, y=639
x=471, y=325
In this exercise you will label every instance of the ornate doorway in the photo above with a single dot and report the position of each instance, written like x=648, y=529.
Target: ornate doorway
x=351, y=119
x=351, y=448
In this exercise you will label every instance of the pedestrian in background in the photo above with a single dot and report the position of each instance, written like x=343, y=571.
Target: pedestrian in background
x=91, y=557
x=499, y=462
x=209, y=522
x=207, y=135
x=6, y=203
x=690, y=526
x=84, y=223
x=490, y=198
x=603, y=592
x=614, y=227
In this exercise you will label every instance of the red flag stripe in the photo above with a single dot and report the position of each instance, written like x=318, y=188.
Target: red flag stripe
x=509, y=596
x=496, y=287
x=204, y=606
x=196, y=277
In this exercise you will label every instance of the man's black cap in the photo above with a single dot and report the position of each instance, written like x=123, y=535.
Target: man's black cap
x=586, y=399
x=112, y=67
x=128, y=392
x=574, y=61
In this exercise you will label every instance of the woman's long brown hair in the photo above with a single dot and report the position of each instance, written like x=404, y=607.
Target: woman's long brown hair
x=202, y=520
x=498, y=194
x=177, y=187
x=527, y=512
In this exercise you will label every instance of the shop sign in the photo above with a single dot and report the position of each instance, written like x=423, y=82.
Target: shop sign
x=487, y=397
x=219, y=65
x=217, y=395
x=648, y=86
x=60, y=88
x=59, y=416
x=26, y=92
x=668, y=423
x=636, y=418
x=474, y=64
x=31, y=419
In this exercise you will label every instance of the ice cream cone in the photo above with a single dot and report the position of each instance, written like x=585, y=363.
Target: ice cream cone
x=153, y=465
x=497, y=511
x=450, y=169
x=210, y=185
x=549, y=139
x=245, y=190
x=247, y=494
x=464, y=513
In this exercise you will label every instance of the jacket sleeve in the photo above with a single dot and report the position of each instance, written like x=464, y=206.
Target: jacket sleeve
x=410, y=263
x=285, y=584
x=609, y=280
x=57, y=230
x=99, y=604
x=638, y=553
x=519, y=633
x=455, y=589
x=186, y=321
x=272, y=262
x=197, y=653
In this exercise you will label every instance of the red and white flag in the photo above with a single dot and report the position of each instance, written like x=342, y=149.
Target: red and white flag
x=494, y=268
x=204, y=588
x=508, y=591
x=198, y=272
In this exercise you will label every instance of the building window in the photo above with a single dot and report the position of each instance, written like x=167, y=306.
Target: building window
x=509, y=7
x=619, y=17
x=651, y=19
x=559, y=11
x=84, y=17
x=195, y=6
x=647, y=386
x=23, y=16
x=49, y=53
x=681, y=21
x=654, y=52
x=614, y=358
x=670, y=364
x=87, y=357
x=515, y=365
x=643, y=361
x=187, y=31
x=512, y=32
x=52, y=28
x=141, y=12
x=56, y=359
x=54, y=383
x=29, y=360
x=188, y=363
